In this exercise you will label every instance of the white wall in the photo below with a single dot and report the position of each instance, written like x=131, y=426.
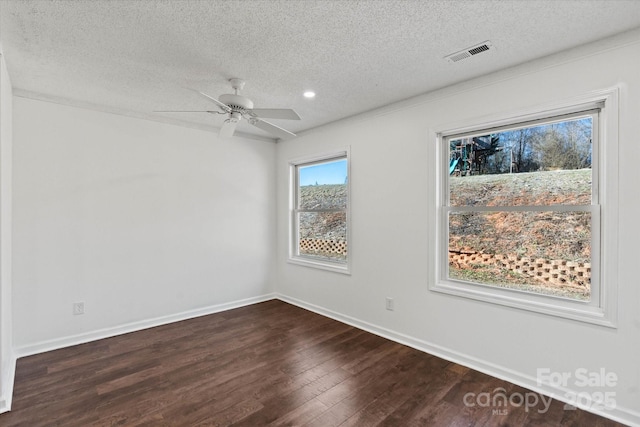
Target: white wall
x=142, y=221
x=392, y=181
x=7, y=360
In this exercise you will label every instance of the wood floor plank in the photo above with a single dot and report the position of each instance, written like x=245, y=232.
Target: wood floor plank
x=266, y=364
x=365, y=390
x=301, y=415
x=364, y=378
x=409, y=383
x=430, y=391
x=283, y=404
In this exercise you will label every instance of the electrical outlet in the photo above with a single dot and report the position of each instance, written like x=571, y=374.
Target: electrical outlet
x=78, y=308
x=390, y=304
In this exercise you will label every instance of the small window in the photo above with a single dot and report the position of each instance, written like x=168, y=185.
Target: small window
x=519, y=217
x=319, y=214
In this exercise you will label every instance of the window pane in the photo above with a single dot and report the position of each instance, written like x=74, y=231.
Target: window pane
x=323, y=235
x=539, y=165
x=323, y=185
x=542, y=252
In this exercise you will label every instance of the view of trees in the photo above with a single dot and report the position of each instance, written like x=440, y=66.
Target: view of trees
x=564, y=145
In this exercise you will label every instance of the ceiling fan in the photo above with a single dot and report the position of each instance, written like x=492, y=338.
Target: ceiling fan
x=237, y=107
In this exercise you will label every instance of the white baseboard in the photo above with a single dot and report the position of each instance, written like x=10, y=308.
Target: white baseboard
x=621, y=415
x=68, y=341
x=7, y=386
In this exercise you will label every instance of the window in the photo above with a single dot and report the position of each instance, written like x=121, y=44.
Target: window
x=320, y=212
x=519, y=213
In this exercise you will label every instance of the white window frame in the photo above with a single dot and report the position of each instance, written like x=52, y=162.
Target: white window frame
x=602, y=308
x=294, y=234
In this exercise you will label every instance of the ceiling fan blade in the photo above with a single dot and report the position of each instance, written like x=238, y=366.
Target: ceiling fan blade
x=275, y=113
x=185, y=111
x=227, y=129
x=271, y=128
x=224, y=107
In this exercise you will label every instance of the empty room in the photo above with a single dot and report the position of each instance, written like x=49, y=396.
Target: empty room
x=319, y=212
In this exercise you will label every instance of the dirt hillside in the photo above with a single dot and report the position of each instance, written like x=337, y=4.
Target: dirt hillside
x=549, y=237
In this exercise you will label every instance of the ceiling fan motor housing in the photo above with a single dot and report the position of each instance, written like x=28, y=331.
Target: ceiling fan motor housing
x=236, y=102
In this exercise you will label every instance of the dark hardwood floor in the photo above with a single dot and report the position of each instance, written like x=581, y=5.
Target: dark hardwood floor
x=266, y=364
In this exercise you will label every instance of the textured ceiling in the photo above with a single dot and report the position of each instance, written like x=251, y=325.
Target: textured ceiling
x=135, y=57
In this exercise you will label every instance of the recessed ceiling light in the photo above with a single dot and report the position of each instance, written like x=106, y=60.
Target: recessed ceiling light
x=309, y=94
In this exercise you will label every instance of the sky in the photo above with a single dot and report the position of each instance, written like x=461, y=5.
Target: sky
x=334, y=172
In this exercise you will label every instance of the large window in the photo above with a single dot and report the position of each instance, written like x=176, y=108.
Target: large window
x=319, y=214
x=519, y=216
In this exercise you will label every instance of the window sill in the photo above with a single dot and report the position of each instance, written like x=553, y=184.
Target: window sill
x=329, y=266
x=569, y=309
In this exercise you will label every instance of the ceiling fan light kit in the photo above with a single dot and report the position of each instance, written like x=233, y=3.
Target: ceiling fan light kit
x=238, y=107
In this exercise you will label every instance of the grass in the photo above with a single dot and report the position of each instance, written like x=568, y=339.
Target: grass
x=504, y=278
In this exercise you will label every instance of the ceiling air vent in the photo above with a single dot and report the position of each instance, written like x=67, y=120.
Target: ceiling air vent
x=469, y=52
